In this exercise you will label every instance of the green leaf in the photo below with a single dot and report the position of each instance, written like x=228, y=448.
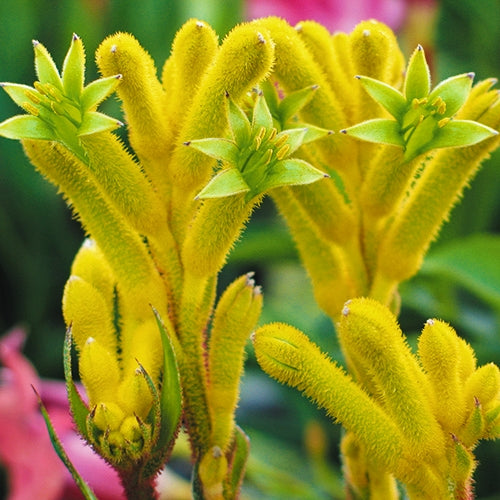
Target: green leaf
x=454, y=92
x=471, y=262
x=239, y=456
x=171, y=396
x=220, y=149
x=459, y=133
x=418, y=78
x=46, y=69
x=295, y=101
x=56, y=443
x=94, y=93
x=291, y=172
x=378, y=130
x=225, y=183
x=94, y=122
x=421, y=137
x=79, y=409
x=73, y=72
x=390, y=98
x=26, y=127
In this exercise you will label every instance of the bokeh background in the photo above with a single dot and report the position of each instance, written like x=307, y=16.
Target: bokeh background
x=460, y=280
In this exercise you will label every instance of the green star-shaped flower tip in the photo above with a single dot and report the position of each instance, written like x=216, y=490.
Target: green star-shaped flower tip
x=257, y=158
x=60, y=107
x=423, y=117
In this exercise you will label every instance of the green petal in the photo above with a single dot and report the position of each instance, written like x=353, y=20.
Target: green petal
x=261, y=115
x=295, y=101
x=94, y=122
x=421, y=138
x=46, y=70
x=454, y=92
x=94, y=93
x=294, y=138
x=26, y=127
x=390, y=98
x=226, y=183
x=239, y=123
x=379, y=130
x=418, y=77
x=314, y=133
x=73, y=72
x=220, y=149
x=292, y=172
x=459, y=133
x=19, y=93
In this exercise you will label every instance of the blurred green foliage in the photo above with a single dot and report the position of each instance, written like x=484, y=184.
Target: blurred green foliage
x=460, y=281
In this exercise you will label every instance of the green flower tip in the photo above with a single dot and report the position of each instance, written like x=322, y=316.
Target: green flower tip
x=423, y=117
x=258, y=157
x=59, y=106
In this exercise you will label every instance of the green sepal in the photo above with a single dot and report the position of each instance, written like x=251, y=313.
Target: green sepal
x=239, y=453
x=73, y=72
x=26, y=127
x=459, y=133
x=85, y=489
x=290, y=172
x=171, y=395
x=239, y=123
x=79, y=409
x=453, y=91
x=388, y=97
x=218, y=148
x=418, y=76
x=295, y=101
x=46, y=69
x=378, y=130
x=94, y=122
x=98, y=90
x=226, y=183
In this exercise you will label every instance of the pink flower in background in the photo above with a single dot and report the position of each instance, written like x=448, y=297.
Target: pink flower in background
x=336, y=15
x=34, y=470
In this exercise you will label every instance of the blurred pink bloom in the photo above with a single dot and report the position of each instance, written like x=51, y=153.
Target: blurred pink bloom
x=335, y=15
x=34, y=470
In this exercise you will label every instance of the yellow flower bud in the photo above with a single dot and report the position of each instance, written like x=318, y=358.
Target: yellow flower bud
x=99, y=372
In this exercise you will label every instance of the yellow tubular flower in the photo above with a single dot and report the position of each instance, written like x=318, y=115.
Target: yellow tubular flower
x=99, y=371
x=243, y=60
x=91, y=265
x=123, y=181
x=295, y=69
x=440, y=186
x=235, y=317
x=439, y=353
x=328, y=55
x=143, y=97
x=370, y=332
x=124, y=249
x=194, y=49
x=288, y=355
x=89, y=314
